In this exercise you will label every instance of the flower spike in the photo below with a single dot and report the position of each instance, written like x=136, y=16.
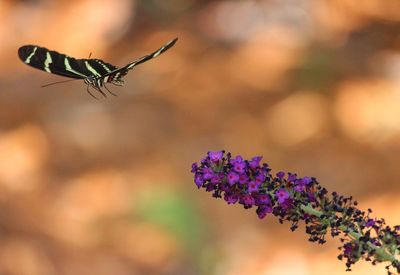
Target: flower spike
x=293, y=199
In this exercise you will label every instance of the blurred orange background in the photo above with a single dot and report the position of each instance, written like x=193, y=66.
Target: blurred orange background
x=104, y=186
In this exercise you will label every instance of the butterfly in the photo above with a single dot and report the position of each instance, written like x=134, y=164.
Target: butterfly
x=94, y=72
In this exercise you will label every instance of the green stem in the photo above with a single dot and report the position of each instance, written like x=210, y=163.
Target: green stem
x=382, y=254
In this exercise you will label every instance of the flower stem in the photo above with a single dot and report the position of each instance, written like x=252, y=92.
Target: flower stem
x=382, y=254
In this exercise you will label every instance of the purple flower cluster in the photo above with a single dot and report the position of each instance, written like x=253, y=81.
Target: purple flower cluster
x=292, y=198
x=251, y=184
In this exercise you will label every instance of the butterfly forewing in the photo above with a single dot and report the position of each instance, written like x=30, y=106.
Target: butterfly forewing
x=52, y=62
x=117, y=74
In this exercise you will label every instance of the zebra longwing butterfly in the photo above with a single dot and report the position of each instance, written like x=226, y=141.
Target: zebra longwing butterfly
x=95, y=72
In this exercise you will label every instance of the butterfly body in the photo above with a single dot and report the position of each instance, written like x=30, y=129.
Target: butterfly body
x=95, y=72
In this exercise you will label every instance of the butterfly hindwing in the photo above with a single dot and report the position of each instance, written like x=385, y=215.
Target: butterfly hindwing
x=100, y=66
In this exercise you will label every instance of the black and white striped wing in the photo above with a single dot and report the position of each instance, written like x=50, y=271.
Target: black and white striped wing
x=61, y=64
x=119, y=73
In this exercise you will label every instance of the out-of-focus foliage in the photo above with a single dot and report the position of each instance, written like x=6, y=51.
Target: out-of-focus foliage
x=104, y=187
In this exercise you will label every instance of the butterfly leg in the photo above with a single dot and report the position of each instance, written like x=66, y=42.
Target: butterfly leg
x=99, y=90
x=97, y=84
x=109, y=90
x=87, y=89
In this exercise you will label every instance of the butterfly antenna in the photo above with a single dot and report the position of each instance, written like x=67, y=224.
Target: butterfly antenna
x=57, y=82
x=90, y=54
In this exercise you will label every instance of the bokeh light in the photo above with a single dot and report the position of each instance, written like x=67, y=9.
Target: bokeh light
x=104, y=186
